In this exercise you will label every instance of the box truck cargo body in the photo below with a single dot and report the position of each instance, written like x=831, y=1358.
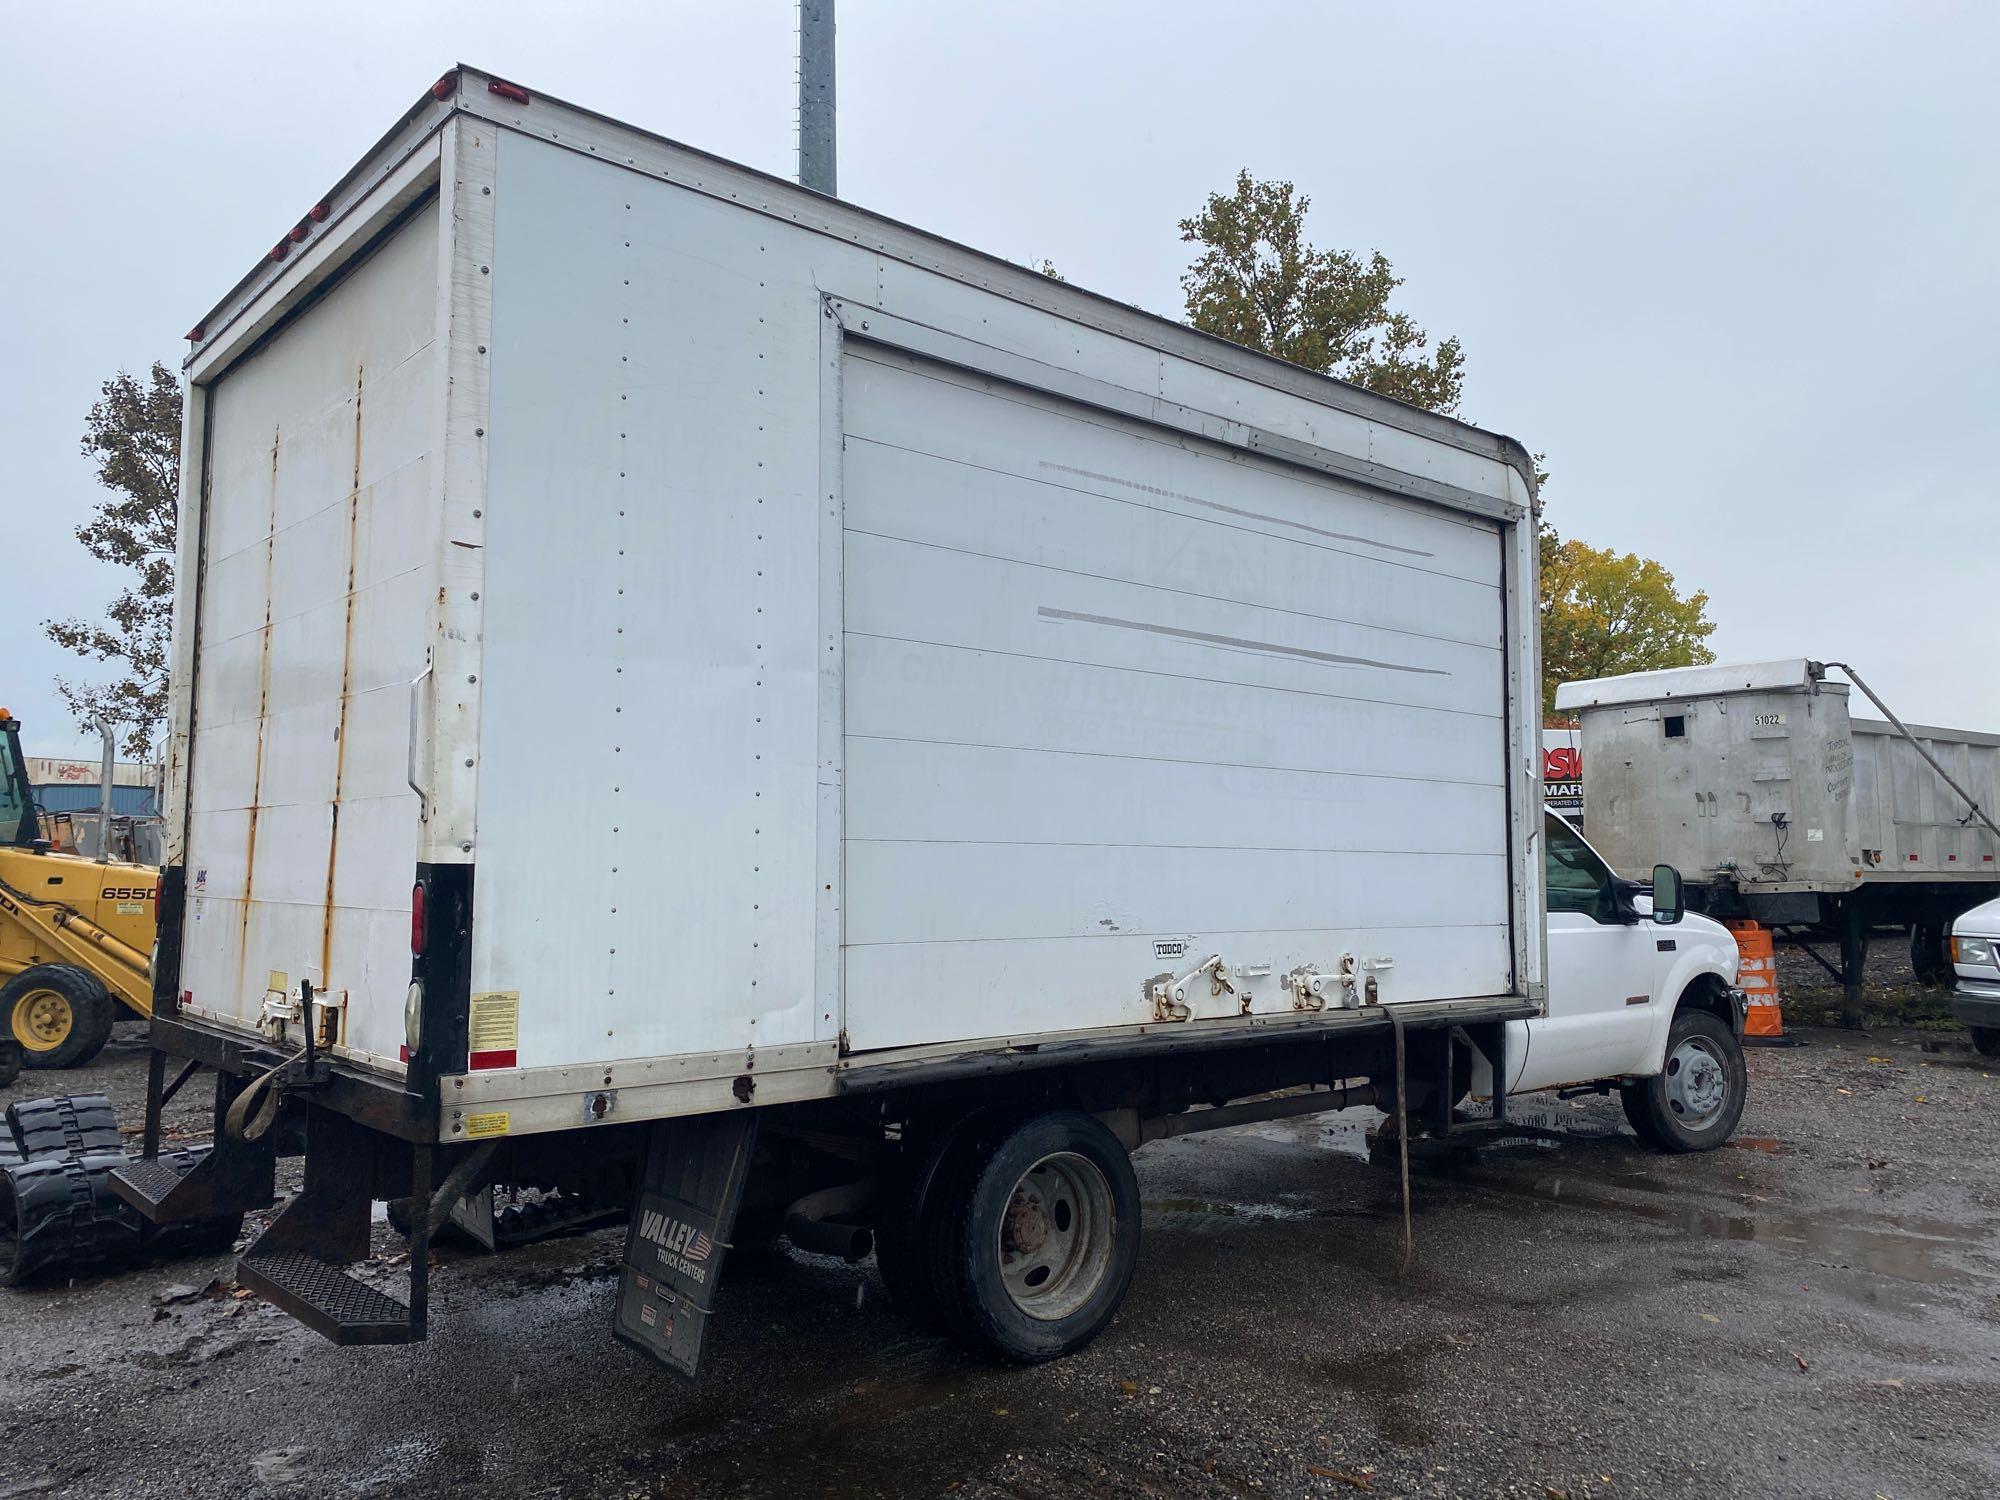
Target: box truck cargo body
x=956, y=676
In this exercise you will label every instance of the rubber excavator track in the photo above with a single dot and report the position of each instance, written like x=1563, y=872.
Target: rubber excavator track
x=58, y=1215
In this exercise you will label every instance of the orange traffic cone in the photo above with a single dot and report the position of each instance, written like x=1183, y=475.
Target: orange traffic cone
x=1757, y=976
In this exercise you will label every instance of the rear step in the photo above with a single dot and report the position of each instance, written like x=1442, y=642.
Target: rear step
x=296, y=1263
x=325, y=1298
x=233, y=1178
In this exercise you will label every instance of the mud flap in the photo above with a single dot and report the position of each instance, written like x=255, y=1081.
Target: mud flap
x=679, y=1236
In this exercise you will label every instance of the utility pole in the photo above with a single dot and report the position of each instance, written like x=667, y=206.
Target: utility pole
x=816, y=134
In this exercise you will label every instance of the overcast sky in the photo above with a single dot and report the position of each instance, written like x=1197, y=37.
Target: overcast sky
x=1731, y=267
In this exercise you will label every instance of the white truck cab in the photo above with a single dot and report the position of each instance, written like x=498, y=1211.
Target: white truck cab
x=1642, y=998
x=1974, y=949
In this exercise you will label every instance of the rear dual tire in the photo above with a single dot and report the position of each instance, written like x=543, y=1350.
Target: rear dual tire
x=1016, y=1233
x=1695, y=1101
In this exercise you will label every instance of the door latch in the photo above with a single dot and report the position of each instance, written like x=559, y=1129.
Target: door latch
x=1170, y=993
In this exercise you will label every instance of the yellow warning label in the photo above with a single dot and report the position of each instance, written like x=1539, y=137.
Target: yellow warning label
x=279, y=983
x=493, y=1123
x=494, y=1024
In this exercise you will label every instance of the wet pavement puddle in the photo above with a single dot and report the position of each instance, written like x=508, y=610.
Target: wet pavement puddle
x=1927, y=1251
x=1227, y=1210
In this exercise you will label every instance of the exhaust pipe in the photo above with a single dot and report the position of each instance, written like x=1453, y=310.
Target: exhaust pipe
x=817, y=1222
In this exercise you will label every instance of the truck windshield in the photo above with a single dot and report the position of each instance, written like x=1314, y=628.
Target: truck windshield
x=17, y=812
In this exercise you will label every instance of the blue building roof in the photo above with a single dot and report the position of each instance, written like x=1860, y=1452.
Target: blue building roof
x=69, y=797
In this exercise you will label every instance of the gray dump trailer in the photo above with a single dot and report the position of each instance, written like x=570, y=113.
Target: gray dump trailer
x=1780, y=807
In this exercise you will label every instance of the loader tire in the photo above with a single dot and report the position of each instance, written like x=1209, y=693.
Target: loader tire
x=60, y=1014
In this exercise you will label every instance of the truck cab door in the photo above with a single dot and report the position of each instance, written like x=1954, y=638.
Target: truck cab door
x=1603, y=973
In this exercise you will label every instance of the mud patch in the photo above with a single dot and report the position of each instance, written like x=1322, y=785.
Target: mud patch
x=1767, y=1145
x=1388, y=1385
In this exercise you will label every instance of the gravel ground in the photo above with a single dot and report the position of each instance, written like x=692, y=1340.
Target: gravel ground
x=1811, y=1312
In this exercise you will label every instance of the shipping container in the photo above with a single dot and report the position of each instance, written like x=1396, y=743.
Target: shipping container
x=657, y=644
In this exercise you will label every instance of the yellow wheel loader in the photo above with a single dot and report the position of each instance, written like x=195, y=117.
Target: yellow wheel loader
x=76, y=935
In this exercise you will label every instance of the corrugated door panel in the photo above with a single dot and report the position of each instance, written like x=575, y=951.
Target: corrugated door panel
x=320, y=541
x=1112, y=693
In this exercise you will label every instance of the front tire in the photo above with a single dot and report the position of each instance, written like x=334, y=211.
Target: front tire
x=1033, y=1234
x=61, y=1015
x=1695, y=1101
x=1986, y=1039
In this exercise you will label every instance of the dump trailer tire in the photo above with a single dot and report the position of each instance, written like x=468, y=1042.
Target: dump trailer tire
x=1035, y=1234
x=60, y=1014
x=11, y=1059
x=1986, y=1039
x=1694, y=1102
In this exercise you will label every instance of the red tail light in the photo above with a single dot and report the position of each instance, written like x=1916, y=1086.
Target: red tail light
x=417, y=919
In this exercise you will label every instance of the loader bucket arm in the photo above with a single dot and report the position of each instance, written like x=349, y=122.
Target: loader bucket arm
x=126, y=972
x=57, y=927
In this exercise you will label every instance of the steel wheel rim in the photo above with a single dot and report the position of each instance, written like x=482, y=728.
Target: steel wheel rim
x=42, y=1020
x=1697, y=1082
x=1054, y=1237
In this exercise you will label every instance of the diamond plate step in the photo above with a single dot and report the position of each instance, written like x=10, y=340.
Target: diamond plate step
x=325, y=1298
x=227, y=1179
x=145, y=1182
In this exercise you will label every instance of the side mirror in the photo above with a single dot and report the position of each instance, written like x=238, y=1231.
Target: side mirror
x=1667, y=908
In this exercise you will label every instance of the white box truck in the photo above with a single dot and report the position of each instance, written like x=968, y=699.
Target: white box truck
x=691, y=693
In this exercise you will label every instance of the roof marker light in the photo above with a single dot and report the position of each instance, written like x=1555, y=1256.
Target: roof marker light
x=280, y=250
x=319, y=212
x=445, y=87
x=510, y=91
x=299, y=232
x=197, y=333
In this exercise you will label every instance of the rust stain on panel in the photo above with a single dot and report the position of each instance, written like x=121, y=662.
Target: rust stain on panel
x=263, y=721
x=346, y=686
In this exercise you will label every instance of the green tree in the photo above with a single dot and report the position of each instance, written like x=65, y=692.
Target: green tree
x=133, y=436
x=1604, y=613
x=1259, y=281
